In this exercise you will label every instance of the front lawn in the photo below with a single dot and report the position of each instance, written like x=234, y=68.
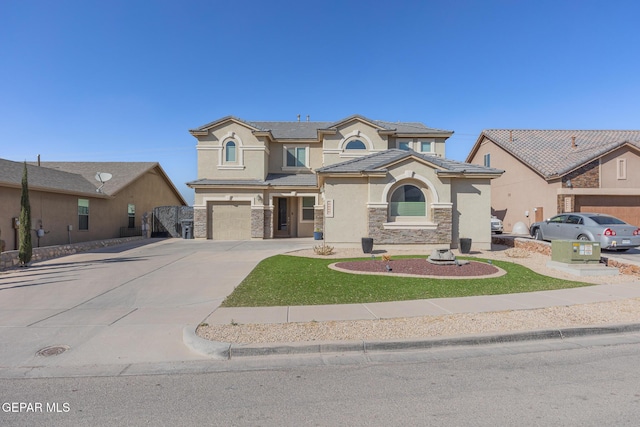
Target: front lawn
x=289, y=280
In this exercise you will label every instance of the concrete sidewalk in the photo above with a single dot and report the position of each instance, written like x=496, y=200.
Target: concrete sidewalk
x=427, y=307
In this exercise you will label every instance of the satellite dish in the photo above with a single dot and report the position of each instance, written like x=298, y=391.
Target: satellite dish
x=102, y=177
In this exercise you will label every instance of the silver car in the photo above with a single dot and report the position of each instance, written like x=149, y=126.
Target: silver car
x=611, y=232
x=496, y=225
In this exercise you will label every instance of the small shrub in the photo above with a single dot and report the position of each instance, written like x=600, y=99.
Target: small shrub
x=323, y=250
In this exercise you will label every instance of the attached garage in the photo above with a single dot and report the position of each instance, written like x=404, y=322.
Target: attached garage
x=627, y=208
x=230, y=221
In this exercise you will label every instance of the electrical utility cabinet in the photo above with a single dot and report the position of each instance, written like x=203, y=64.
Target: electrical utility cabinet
x=575, y=251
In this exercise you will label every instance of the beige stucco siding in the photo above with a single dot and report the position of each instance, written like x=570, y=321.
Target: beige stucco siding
x=334, y=145
x=609, y=177
x=472, y=211
x=518, y=190
x=349, y=223
x=250, y=154
x=56, y=211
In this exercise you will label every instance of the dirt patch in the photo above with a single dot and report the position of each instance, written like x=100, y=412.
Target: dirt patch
x=419, y=267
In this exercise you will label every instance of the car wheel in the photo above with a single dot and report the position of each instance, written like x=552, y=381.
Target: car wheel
x=584, y=238
x=538, y=234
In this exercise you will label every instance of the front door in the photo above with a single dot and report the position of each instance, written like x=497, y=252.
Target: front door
x=282, y=225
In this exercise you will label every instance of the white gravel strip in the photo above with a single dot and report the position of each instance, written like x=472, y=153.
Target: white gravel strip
x=595, y=314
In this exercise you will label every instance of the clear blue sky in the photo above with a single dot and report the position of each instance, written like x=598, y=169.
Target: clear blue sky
x=124, y=80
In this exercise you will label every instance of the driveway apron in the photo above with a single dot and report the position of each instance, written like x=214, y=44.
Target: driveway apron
x=121, y=305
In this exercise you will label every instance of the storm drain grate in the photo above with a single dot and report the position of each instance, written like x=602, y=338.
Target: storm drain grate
x=53, y=350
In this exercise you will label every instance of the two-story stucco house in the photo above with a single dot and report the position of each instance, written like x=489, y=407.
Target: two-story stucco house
x=554, y=171
x=350, y=179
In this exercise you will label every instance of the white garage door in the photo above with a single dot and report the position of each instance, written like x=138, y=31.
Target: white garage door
x=231, y=221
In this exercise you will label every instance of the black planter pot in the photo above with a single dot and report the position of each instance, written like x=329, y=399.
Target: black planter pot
x=465, y=246
x=367, y=245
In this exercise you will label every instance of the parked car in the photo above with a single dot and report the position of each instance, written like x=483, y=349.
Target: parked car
x=611, y=232
x=496, y=225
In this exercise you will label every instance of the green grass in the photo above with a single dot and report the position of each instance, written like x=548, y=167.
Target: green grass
x=289, y=280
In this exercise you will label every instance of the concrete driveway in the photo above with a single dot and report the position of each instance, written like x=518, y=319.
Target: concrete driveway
x=120, y=305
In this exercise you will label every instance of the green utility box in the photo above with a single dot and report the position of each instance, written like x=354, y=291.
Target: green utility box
x=575, y=251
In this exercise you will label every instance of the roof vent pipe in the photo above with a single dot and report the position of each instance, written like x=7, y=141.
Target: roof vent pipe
x=38, y=160
x=298, y=117
x=573, y=142
x=510, y=136
x=308, y=117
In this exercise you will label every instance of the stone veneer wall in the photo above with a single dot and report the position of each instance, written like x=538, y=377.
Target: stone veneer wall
x=257, y=223
x=587, y=176
x=268, y=223
x=10, y=259
x=200, y=223
x=380, y=235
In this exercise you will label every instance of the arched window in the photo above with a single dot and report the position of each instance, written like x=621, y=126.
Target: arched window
x=356, y=144
x=230, y=152
x=408, y=200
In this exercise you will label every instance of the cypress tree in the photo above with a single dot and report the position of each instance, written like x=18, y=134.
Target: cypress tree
x=25, y=248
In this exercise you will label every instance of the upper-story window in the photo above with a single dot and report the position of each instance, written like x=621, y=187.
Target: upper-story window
x=230, y=154
x=356, y=144
x=426, y=146
x=295, y=157
x=404, y=145
x=487, y=160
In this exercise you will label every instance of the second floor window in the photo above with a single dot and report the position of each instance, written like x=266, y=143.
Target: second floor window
x=487, y=160
x=230, y=152
x=296, y=157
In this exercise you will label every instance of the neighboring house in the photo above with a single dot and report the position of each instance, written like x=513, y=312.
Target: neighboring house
x=350, y=179
x=553, y=171
x=71, y=206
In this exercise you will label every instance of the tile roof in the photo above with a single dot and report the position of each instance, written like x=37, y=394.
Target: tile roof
x=378, y=162
x=273, y=179
x=45, y=178
x=309, y=130
x=550, y=152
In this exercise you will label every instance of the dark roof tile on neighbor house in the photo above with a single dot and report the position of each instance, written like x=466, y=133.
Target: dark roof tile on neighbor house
x=44, y=178
x=553, y=153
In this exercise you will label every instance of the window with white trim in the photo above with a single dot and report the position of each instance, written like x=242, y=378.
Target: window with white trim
x=407, y=201
x=230, y=152
x=295, y=157
x=426, y=146
x=307, y=208
x=83, y=214
x=487, y=160
x=356, y=144
x=404, y=145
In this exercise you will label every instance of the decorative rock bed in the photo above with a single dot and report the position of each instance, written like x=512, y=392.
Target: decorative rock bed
x=419, y=267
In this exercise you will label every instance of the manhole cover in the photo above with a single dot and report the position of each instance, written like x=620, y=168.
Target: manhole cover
x=53, y=350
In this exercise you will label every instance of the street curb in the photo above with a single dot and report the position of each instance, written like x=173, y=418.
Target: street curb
x=221, y=350
x=215, y=349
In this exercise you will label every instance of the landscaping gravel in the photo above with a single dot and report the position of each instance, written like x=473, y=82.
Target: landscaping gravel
x=614, y=312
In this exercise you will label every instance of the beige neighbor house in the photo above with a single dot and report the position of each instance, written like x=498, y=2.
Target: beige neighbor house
x=554, y=171
x=70, y=206
x=349, y=179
